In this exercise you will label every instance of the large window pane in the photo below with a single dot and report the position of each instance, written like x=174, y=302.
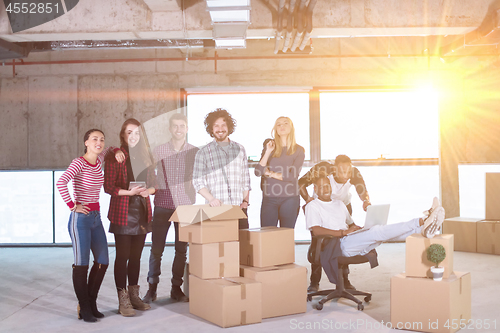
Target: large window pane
x=26, y=207
x=255, y=115
x=62, y=215
x=409, y=190
x=472, y=180
x=368, y=125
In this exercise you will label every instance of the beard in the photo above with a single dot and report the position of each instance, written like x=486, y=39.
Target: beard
x=221, y=137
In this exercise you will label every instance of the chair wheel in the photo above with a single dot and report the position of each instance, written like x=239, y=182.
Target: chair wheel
x=368, y=298
x=361, y=307
x=309, y=298
x=319, y=307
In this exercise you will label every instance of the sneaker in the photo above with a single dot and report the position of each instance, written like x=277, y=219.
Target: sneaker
x=435, y=204
x=313, y=287
x=177, y=294
x=432, y=224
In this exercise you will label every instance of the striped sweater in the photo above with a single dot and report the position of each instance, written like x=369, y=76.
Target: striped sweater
x=87, y=182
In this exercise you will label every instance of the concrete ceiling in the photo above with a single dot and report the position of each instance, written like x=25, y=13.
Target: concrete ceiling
x=165, y=19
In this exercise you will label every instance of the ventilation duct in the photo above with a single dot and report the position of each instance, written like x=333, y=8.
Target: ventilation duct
x=230, y=20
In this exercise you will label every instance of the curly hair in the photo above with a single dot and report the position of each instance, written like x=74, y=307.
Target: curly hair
x=216, y=114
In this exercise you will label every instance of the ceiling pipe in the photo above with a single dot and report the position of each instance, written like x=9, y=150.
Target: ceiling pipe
x=289, y=30
x=219, y=58
x=309, y=27
x=279, y=30
x=301, y=17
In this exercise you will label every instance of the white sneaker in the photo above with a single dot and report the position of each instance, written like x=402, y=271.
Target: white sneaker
x=435, y=204
x=432, y=224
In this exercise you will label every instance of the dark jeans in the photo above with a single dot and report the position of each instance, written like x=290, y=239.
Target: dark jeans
x=128, y=259
x=284, y=209
x=161, y=224
x=316, y=270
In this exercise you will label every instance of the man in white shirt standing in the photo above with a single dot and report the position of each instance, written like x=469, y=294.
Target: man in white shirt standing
x=327, y=216
x=221, y=172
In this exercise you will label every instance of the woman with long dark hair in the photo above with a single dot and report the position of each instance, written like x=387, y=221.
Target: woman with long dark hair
x=85, y=226
x=279, y=167
x=129, y=212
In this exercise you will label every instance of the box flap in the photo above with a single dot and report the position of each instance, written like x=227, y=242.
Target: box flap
x=189, y=214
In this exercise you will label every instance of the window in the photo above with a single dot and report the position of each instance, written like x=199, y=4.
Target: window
x=255, y=115
x=26, y=207
x=472, y=180
x=389, y=124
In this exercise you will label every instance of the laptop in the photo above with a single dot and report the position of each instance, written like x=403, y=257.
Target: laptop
x=375, y=215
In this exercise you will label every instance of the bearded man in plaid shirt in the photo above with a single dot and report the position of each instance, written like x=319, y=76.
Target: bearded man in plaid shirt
x=221, y=172
x=175, y=161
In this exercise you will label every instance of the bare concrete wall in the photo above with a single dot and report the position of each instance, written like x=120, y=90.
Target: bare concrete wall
x=14, y=123
x=46, y=109
x=52, y=121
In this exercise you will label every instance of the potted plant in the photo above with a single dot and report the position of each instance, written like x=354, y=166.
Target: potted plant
x=436, y=254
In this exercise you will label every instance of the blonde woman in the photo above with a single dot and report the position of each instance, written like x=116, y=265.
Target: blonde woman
x=279, y=167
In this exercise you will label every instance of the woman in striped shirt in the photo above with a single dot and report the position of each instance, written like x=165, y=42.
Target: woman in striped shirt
x=85, y=226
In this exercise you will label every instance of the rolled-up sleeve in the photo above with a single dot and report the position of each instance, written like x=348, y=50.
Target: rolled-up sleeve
x=199, y=171
x=110, y=177
x=245, y=171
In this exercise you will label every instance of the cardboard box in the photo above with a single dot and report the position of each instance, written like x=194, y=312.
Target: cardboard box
x=185, y=285
x=492, y=196
x=215, y=260
x=202, y=224
x=284, y=288
x=464, y=233
x=226, y=302
x=267, y=246
x=417, y=264
x=426, y=305
x=488, y=237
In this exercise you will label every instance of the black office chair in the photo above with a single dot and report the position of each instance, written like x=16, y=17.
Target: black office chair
x=318, y=243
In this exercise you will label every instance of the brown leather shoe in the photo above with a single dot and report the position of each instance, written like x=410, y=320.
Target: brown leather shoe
x=151, y=294
x=313, y=287
x=177, y=294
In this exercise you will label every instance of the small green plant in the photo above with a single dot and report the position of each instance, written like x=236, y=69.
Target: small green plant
x=436, y=253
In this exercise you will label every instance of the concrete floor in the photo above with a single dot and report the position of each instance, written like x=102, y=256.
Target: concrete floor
x=36, y=295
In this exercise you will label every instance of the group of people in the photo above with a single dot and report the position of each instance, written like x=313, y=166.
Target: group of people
x=174, y=172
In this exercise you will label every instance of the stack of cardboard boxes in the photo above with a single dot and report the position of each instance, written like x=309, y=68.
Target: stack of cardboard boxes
x=267, y=255
x=476, y=235
x=418, y=302
x=217, y=292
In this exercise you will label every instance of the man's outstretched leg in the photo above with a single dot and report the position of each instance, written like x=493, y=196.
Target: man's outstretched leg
x=363, y=242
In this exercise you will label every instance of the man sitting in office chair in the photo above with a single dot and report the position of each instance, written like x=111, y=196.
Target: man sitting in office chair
x=328, y=216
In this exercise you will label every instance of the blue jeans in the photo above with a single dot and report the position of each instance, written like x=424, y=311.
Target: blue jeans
x=161, y=224
x=87, y=234
x=284, y=209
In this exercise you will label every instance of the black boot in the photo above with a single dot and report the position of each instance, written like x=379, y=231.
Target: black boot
x=151, y=293
x=82, y=293
x=95, y=280
x=347, y=283
x=315, y=278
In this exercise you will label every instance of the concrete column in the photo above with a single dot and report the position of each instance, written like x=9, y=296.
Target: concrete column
x=14, y=129
x=452, y=142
